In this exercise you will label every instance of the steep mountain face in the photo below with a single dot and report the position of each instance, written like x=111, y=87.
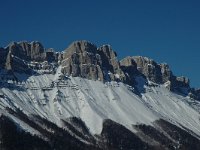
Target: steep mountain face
x=83, y=59
x=110, y=64
x=27, y=51
x=18, y=53
x=85, y=98
x=17, y=57
x=157, y=73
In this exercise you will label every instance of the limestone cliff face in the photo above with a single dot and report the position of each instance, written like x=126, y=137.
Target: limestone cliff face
x=166, y=72
x=149, y=68
x=14, y=64
x=158, y=73
x=84, y=59
x=129, y=67
x=16, y=56
x=110, y=64
x=81, y=59
x=27, y=51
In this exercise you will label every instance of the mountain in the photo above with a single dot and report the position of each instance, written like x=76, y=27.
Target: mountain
x=85, y=98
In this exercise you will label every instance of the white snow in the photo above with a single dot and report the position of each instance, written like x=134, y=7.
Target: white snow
x=94, y=101
x=173, y=107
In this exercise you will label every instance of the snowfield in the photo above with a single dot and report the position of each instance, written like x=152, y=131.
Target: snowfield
x=57, y=97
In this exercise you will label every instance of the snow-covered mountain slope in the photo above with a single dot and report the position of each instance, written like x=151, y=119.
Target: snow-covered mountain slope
x=92, y=101
x=85, y=98
x=57, y=97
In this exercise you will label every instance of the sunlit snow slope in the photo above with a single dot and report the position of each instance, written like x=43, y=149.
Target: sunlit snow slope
x=57, y=97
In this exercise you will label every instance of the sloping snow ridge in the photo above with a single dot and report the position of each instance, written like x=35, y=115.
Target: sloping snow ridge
x=57, y=97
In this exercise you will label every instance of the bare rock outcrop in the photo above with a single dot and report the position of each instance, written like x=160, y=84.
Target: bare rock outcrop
x=110, y=64
x=84, y=59
x=81, y=59
x=129, y=67
x=149, y=68
x=157, y=73
x=27, y=51
x=17, y=55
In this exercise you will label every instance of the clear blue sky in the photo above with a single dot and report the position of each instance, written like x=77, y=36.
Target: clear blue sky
x=165, y=30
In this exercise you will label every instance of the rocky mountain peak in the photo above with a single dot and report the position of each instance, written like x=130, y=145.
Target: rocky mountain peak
x=43, y=105
x=81, y=47
x=149, y=68
x=157, y=73
x=110, y=64
x=108, y=51
x=84, y=59
x=17, y=56
x=26, y=51
x=109, y=58
x=81, y=59
x=128, y=61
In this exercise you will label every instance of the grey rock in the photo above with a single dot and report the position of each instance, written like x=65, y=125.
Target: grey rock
x=3, y=55
x=110, y=63
x=27, y=51
x=14, y=64
x=129, y=67
x=167, y=74
x=59, y=57
x=161, y=73
x=8, y=63
x=18, y=55
x=81, y=59
x=128, y=61
x=35, y=51
x=149, y=68
x=179, y=84
x=84, y=59
x=158, y=73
